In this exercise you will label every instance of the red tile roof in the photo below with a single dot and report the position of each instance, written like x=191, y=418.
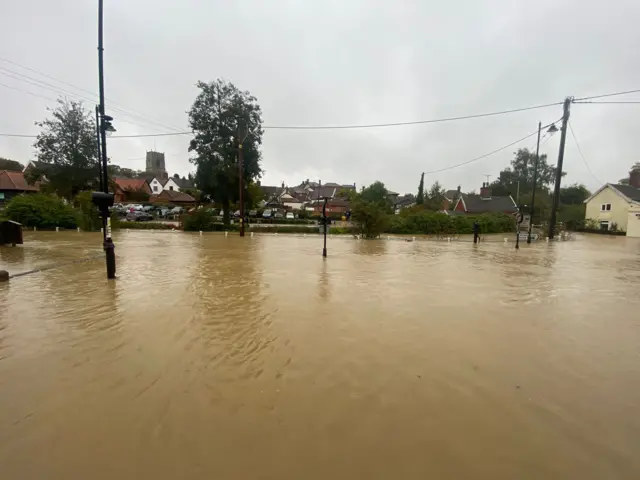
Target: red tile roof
x=15, y=181
x=130, y=183
x=173, y=196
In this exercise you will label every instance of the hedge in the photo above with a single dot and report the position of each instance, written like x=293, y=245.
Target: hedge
x=432, y=223
x=42, y=211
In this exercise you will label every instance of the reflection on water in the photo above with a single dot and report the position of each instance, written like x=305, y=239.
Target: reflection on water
x=221, y=357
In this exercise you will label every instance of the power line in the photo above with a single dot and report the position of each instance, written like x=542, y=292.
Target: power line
x=610, y=103
x=582, y=154
x=606, y=95
x=48, y=86
x=25, y=91
x=398, y=124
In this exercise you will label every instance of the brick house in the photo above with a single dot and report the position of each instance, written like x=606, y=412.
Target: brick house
x=485, y=203
x=127, y=188
x=12, y=184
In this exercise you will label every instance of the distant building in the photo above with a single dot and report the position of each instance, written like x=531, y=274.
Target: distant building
x=405, y=201
x=174, y=197
x=128, y=189
x=156, y=165
x=12, y=184
x=484, y=203
x=616, y=204
x=172, y=183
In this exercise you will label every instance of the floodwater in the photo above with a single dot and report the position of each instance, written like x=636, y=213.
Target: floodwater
x=228, y=358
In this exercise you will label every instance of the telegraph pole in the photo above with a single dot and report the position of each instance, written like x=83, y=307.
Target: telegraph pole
x=556, y=190
x=535, y=181
x=241, y=138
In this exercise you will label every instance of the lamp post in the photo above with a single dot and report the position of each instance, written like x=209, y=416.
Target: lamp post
x=104, y=199
x=324, y=222
x=551, y=130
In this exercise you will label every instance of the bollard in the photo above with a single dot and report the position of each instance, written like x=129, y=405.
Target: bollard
x=276, y=233
x=78, y=229
x=506, y=240
x=252, y=234
x=304, y=235
x=200, y=232
x=547, y=239
x=34, y=229
x=413, y=239
x=102, y=230
x=449, y=239
x=127, y=230
x=388, y=237
x=57, y=229
x=226, y=234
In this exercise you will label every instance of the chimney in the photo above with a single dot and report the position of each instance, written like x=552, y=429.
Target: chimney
x=634, y=177
x=485, y=191
x=283, y=185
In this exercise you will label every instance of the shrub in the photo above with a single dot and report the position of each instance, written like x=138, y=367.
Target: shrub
x=42, y=211
x=435, y=223
x=199, y=219
x=143, y=225
x=88, y=215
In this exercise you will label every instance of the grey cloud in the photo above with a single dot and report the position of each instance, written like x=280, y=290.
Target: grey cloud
x=336, y=62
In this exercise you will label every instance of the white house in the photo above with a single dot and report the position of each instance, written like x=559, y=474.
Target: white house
x=614, y=203
x=156, y=186
x=171, y=185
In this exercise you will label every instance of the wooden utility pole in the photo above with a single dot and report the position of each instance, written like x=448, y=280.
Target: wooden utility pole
x=556, y=190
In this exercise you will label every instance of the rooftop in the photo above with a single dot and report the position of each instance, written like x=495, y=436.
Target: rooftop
x=10, y=180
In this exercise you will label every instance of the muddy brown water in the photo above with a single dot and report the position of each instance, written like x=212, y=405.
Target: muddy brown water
x=229, y=358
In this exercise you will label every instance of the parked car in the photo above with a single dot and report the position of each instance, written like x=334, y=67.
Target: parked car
x=278, y=215
x=266, y=214
x=164, y=211
x=253, y=213
x=148, y=208
x=176, y=211
x=236, y=214
x=290, y=216
x=139, y=216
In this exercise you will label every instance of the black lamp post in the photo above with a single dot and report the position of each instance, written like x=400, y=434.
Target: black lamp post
x=104, y=199
x=551, y=130
x=324, y=223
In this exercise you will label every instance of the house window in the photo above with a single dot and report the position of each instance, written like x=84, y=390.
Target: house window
x=171, y=188
x=604, y=225
x=605, y=207
x=155, y=188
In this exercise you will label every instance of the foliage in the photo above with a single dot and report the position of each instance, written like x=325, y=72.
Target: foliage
x=420, y=196
x=285, y=229
x=117, y=171
x=435, y=197
x=220, y=115
x=67, y=142
x=41, y=210
x=88, y=215
x=435, y=223
x=137, y=195
x=11, y=165
x=370, y=210
x=521, y=170
x=254, y=195
x=574, y=194
x=194, y=192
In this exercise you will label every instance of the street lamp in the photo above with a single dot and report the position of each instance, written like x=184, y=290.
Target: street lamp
x=551, y=130
x=104, y=199
x=324, y=223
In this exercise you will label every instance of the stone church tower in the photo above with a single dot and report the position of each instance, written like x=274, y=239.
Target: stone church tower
x=156, y=165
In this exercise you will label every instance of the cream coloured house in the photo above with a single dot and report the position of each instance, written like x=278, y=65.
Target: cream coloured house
x=633, y=223
x=610, y=205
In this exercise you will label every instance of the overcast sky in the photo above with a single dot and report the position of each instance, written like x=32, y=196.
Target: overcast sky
x=335, y=62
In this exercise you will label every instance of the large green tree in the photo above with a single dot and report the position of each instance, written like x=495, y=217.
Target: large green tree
x=521, y=171
x=11, y=165
x=420, y=196
x=435, y=197
x=220, y=117
x=574, y=194
x=370, y=209
x=67, y=142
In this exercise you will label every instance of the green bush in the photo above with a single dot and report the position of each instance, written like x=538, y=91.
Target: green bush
x=142, y=225
x=88, y=215
x=199, y=220
x=42, y=211
x=434, y=223
x=284, y=229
